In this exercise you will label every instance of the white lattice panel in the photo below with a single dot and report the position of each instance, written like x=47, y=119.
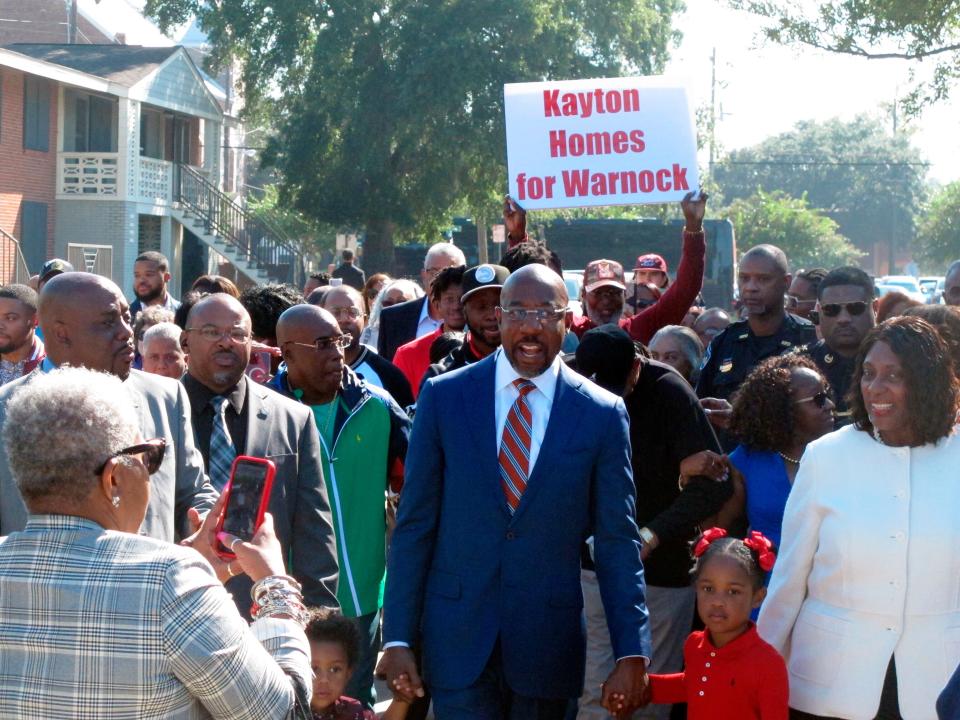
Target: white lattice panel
x=88, y=174
x=155, y=179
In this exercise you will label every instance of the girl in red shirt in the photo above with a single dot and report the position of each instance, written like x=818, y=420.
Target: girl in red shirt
x=730, y=672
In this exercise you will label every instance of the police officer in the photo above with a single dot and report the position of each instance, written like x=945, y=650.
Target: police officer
x=769, y=330
x=845, y=312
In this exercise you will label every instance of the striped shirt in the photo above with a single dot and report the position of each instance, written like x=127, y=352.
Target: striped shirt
x=102, y=624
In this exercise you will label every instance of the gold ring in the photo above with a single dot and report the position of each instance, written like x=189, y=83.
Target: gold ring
x=229, y=570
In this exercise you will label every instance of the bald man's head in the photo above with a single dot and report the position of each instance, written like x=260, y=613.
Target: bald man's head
x=763, y=279
x=217, y=341
x=311, y=341
x=346, y=305
x=771, y=254
x=533, y=318
x=86, y=323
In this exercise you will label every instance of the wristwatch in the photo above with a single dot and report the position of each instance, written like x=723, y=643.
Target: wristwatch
x=648, y=537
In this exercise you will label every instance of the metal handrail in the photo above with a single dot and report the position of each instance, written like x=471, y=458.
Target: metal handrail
x=255, y=241
x=21, y=272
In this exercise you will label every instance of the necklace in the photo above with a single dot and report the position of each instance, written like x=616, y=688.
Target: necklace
x=331, y=412
x=795, y=461
x=876, y=436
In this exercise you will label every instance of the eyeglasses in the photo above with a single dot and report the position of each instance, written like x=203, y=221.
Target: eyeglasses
x=820, y=399
x=834, y=309
x=345, y=312
x=794, y=302
x=212, y=333
x=543, y=316
x=337, y=342
x=152, y=451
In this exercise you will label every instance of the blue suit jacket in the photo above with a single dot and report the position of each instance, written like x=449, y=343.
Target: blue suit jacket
x=467, y=573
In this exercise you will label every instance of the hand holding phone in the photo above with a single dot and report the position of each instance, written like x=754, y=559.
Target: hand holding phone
x=247, y=495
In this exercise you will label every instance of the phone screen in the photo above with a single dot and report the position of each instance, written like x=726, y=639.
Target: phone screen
x=246, y=488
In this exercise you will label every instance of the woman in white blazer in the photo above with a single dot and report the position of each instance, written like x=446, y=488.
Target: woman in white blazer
x=864, y=602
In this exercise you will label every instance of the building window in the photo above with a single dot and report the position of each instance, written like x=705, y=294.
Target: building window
x=36, y=114
x=90, y=123
x=33, y=234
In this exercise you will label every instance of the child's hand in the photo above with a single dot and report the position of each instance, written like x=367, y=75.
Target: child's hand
x=399, y=668
x=627, y=688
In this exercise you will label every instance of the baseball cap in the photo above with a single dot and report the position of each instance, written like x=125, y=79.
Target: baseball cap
x=605, y=355
x=482, y=276
x=599, y=273
x=651, y=262
x=54, y=267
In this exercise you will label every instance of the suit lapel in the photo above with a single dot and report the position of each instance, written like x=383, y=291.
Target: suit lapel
x=564, y=419
x=478, y=395
x=259, y=421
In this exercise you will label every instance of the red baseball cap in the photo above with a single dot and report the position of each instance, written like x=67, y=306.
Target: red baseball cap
x=600, y=273
x=651, y=262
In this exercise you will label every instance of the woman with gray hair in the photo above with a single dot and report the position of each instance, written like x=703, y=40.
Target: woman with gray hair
x=680, y=348
x=98, y=620
x=392, y=293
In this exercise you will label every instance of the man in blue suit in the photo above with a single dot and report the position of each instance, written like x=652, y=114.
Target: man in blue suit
x=513, y=462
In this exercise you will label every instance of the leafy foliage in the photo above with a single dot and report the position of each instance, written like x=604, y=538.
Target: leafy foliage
x=311, y=236
x=389, y=112
x=808, y=238
x=871, y=183
x=879, y=29
x=938, y=231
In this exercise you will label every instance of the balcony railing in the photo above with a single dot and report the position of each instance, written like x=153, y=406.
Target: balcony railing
x=88, y=174
x=156, y=180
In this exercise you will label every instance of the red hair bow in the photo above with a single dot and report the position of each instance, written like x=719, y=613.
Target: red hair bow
x=763, y=548
x=709, y=536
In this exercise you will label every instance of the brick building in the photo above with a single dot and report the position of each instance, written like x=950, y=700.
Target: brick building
x=93, y=141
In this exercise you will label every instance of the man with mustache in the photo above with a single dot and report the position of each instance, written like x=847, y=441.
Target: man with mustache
x=86, y=323
x=233, y=415
x=20, y=348
x=151, y=273
x=513, y=461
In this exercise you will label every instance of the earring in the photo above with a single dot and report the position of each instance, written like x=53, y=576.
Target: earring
x=116, y=501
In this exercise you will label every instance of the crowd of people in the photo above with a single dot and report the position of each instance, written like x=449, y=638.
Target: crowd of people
x=501, y=509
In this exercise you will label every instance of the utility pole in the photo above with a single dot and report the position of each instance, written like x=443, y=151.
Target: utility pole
x=72, y=23
x=482, y=256
x=713, y=105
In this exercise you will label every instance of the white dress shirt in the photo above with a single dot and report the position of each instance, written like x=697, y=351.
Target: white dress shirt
x=539, y=400
x=426, y=324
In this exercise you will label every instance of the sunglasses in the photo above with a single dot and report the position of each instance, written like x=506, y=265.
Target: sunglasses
x=820, y=399
x=854, y=308
x=152, y=451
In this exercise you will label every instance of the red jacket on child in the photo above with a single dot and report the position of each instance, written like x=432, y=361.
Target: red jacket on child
x=744, y=679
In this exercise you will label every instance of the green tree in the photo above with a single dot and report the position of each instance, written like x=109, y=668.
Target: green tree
x=876, y=29
x=871, y=183
x=808, y=238
x=389, y=112
x=938, y=231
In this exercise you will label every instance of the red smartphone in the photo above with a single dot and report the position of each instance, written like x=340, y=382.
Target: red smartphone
x=247, y=496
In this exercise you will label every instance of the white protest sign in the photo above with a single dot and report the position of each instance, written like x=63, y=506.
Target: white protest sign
x=499, y=234
x=612, y=141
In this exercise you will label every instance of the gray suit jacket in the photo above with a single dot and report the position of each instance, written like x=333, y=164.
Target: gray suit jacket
x=284, y=431
x=180, y=483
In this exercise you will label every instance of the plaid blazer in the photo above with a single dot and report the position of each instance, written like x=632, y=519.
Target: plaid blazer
x=102, y=624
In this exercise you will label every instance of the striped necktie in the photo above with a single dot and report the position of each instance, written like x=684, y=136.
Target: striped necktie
x=515, y=445
x=222, y=451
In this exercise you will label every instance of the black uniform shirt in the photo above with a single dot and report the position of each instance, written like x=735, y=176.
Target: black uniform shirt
x=838, y=370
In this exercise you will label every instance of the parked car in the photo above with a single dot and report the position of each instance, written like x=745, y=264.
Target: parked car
x=929, y=285
x=907, y=284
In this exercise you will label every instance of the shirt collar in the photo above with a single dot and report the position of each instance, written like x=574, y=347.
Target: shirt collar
x=424, y=310
x=735, y=647
x=60, y=522
x=546, y=381
x=200, y=395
